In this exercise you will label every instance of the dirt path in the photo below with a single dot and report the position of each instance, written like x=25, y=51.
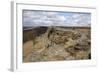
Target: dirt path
x=27, y=48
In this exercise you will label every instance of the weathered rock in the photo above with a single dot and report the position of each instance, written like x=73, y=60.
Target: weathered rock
x=61, y=44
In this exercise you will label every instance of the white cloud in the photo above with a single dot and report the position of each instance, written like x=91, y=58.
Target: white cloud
x=42, y=18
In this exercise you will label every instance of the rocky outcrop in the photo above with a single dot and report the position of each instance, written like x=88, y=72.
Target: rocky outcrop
x=58, y=43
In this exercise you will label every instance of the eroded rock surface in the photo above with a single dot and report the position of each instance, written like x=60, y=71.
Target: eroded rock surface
x=60, y=44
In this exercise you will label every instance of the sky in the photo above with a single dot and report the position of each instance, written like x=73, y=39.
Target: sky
x=54, y=18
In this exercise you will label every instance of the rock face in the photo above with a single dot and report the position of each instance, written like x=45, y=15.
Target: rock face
x=58, y=43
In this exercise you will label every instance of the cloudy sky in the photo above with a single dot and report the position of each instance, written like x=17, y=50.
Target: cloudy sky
x=48, y=18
